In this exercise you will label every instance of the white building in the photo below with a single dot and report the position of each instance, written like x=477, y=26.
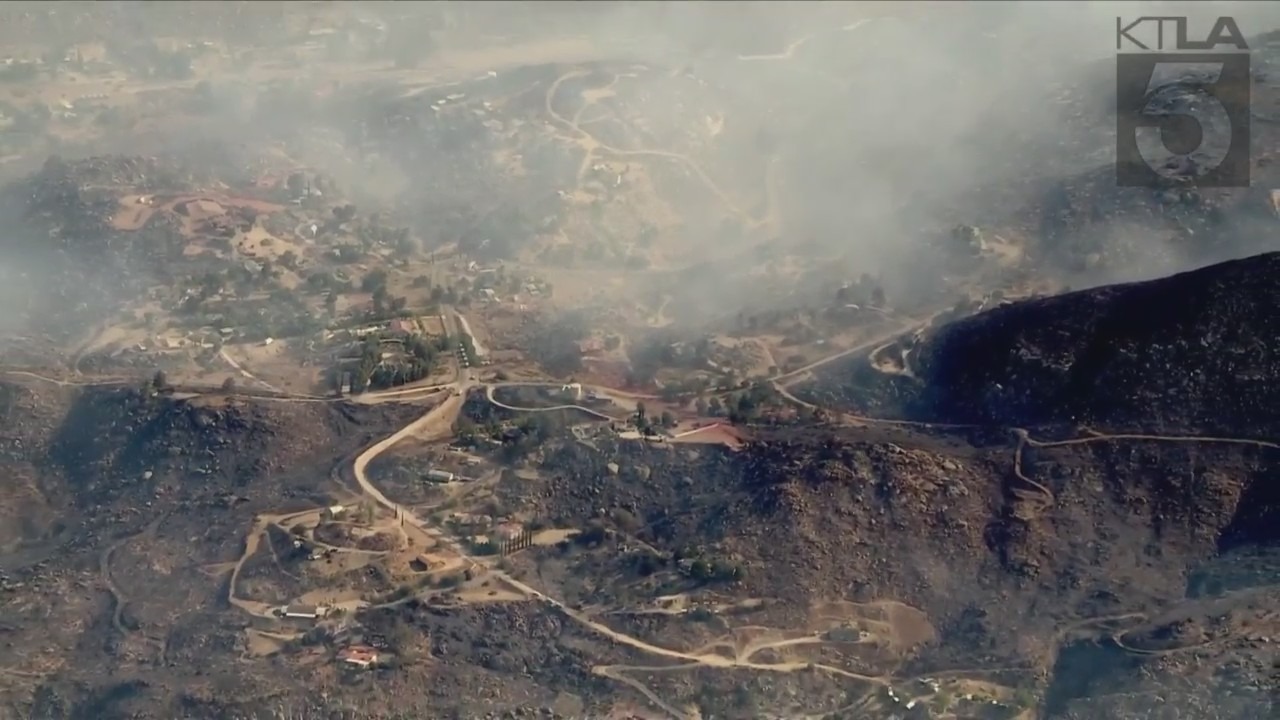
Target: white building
x=573, y=391
x=306, y=612
x=439, y=475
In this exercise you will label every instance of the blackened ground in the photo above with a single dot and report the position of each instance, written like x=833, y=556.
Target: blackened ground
x=1193, y=353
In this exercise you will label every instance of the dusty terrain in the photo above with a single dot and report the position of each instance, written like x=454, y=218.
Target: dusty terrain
x=510, y=373
x=683, y=573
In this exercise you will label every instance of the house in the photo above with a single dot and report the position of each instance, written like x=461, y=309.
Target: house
x=424, y=563
x=306, y=612
x=403, y=327
x=466, y=523
x=439, y=476
x=572, y=391
x=489, y=294
x=360, y=332
x=359, y=656
x=334, y=512
x=591, y=346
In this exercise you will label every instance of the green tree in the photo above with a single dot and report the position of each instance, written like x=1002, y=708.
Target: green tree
x=373, y=280
x=344, y=213
x=211, y=284
x=715, y=407
x=380, y=298
x=404, y=244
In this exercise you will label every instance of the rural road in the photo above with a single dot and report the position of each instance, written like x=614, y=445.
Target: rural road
x=438, y=423
x=488, y=393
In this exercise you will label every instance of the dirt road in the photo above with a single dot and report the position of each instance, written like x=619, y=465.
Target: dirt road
x=865, y=347
x=438, y=423
x=488, y=393
x=248, y=375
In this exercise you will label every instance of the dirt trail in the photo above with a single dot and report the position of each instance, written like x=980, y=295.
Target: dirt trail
x=1096, y=436
x=438, y=423
x=889, y=365
x=488, y=394
x=615, y=672
x=790, y=51
x=706, y=658
x=65, y=383
x=865, y=347
x=251, y=541
x=593, y=146
x=118, y=598
x=466, y=330
x=104, y=572
x=250, y=376
x=1046, y=496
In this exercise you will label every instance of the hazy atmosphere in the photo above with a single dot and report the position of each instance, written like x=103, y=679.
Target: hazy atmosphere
x=623, y=360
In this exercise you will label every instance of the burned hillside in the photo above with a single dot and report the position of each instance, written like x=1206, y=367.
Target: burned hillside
x=121, y=498
x=798, y=519
x=1195, y=352
x=627, y=361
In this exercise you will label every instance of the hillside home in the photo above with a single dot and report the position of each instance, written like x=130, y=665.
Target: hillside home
x=362, y=657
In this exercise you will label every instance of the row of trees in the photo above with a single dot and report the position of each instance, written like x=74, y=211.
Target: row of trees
x=648, y=425
x=372, y=372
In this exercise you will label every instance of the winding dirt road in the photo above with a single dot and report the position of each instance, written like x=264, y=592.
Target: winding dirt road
x=795, y=45
x=222, y=353
x=488, y=393
x=592, y=146
x=438, y=423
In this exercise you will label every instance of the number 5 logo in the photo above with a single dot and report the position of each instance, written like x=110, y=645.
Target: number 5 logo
x=1183, y=116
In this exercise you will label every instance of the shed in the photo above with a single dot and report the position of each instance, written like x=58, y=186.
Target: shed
x=359, y=656
x=435, y=475
x=306, y=612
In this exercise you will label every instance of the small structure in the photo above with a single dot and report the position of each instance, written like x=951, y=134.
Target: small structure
x=572, y=391
x=591, y=346
x=334, y=512
x=402, y=327
x=362, y=657
x=509, y=531
x=435, y=475
x=468, y=524
x=424, y=563
x=306, y=612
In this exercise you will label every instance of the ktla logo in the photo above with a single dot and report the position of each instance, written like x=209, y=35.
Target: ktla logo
x=1183, y=115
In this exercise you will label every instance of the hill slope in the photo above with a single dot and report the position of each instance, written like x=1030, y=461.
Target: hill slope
x=1198, y=351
